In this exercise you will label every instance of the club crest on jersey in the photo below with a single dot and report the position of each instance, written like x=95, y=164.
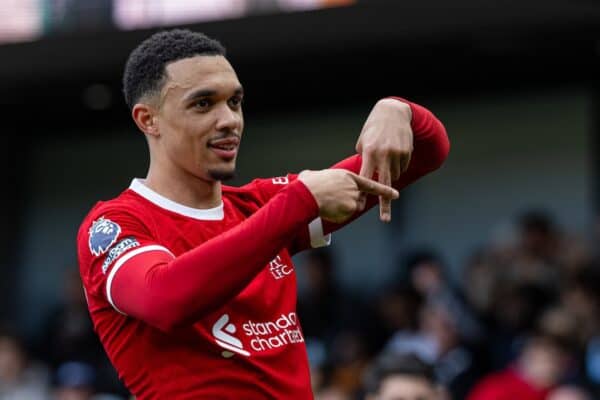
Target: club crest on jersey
x=103, y=234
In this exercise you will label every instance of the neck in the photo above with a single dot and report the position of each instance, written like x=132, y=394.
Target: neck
x=182, y=187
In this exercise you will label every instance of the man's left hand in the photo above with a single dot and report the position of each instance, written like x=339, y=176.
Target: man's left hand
x=386, y=144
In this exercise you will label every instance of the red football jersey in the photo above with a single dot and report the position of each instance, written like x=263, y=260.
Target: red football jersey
x=193, y=303
x=250, y=348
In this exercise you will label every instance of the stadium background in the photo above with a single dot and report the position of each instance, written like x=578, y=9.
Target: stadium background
x=515, y=83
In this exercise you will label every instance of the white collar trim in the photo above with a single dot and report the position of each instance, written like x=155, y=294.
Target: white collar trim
x=206, y=214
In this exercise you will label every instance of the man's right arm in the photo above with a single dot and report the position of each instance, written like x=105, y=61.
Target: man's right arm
x=151, y=284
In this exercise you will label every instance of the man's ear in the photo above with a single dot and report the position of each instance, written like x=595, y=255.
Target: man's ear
x=145, y=117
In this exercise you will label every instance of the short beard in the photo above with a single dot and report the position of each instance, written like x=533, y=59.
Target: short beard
x=221, y=175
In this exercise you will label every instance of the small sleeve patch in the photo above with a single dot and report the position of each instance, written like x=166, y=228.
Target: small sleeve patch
x=117, y=250
x=102, y=235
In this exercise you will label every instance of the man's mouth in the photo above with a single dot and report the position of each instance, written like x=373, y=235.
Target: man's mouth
x=225, y=148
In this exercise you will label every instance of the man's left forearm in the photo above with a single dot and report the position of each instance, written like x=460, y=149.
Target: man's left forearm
x=431, y=148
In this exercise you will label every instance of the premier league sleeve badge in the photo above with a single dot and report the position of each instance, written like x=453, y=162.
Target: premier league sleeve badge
x=103, y=234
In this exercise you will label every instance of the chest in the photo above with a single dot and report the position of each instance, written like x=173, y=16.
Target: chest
x=274, y=287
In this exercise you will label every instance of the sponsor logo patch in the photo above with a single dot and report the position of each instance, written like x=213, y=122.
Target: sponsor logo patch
x=103, y=234
x=223, y=332
x=262, y=336
x=118, y=249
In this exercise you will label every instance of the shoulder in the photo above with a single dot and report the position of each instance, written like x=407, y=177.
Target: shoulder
x=107, y=220
x=108, y=231
x=124, y=206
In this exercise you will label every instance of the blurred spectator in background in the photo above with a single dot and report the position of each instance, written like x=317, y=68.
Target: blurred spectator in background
x=428, y=276
x=68, y=333
x=349, y=359
x=457, y=364
x=537, y=253
x=331, y=321
x=516, y=308
x=581, y=299
x=541, y=366
x=569, y=393
x=438, y=342
x=395, y=313
x=402, y=377
x=445, y=331
x=480, y=284
x=74, y=381
x=68, y=336
x=322, y=306
x=20, y=377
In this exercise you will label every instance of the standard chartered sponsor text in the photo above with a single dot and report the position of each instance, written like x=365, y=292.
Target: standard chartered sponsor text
x=273, y=334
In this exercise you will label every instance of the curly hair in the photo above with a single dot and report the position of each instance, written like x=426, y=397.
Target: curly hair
x=145, y=68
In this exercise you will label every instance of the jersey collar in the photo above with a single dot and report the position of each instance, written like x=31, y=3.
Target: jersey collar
x=206, y=214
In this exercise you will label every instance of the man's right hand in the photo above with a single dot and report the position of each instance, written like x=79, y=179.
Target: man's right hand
x=337, y=192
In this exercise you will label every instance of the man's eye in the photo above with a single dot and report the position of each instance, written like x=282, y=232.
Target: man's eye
x=202, y=103
x=235, y=101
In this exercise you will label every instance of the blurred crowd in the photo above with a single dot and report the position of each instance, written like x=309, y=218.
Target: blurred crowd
x=518, y=322
x=63, y=361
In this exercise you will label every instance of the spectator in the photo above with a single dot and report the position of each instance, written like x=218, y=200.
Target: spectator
x=20, y=377
x=542, y=364
x=322, y=306
x=536, y=258
x=569, y=393
x=516, y=309
x=405, y=377
x=480, y=284
x=396, y=315
x=428, y=275
x=74, y=381
x=68, y=333
x=456, y=365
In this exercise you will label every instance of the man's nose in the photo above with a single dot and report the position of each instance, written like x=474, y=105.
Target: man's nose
x=228, y=119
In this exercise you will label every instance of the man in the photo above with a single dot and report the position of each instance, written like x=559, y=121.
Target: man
x=402, y=377
x=190, y=283
x=543, y=362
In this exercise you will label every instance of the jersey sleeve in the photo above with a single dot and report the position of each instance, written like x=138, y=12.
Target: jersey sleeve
x=106, y=241
x=311, y=236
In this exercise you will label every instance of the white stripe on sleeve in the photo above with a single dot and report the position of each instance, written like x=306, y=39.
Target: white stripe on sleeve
x=122, y=260
x=317, y=238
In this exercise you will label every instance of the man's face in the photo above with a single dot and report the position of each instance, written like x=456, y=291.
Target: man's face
x=200, y=119
x=399, y=387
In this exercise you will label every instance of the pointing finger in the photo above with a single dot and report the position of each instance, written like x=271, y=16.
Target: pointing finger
x=372, y=187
